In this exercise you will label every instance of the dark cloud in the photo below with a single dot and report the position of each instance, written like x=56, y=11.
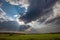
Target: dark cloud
x=44, y=12
x=44, y=17
x=54, y=21
x=23, y=27
x=37, y=9
x=8, y=25
x=12, y=26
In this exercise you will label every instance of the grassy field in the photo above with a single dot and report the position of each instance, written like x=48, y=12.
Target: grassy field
x=29, y=36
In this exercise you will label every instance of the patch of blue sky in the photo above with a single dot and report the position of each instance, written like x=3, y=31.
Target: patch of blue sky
x=11, y=10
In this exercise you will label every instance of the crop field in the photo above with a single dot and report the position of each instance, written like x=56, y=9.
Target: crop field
x=29, y=36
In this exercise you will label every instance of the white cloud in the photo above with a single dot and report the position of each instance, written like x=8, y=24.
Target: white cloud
x=20, y=22
x=36, y=25
x=16, y=16
x=13, y=2
x=4, y=17
x=2, y=12
x=18, y=2
x=11, y=19
x=56, y=10
x=24, y=3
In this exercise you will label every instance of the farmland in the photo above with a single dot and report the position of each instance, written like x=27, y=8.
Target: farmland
x=29, y=36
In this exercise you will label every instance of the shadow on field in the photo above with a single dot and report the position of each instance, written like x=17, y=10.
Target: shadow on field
x=29, y=39
x=6, y=39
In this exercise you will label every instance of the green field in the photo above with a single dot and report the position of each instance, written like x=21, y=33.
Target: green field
x=29, y=36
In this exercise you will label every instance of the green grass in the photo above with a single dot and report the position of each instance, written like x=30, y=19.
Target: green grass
x=30, y=37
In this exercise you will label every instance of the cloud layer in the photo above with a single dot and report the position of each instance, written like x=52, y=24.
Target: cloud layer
x=37, y=9
x=43, y=16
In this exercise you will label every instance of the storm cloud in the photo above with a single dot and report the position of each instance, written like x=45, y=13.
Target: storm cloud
x=43, y=16
x=37, y=9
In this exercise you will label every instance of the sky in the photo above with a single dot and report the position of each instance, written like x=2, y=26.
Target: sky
x=9, y=14
x=10, y=9
x=42, y=16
